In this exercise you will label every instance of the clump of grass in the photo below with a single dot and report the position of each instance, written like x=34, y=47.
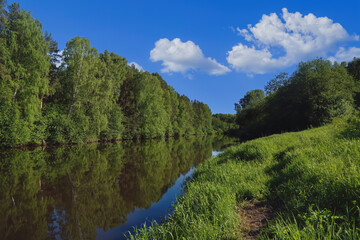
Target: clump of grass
x=313, y=224
x=311, y=177
x=205, y=211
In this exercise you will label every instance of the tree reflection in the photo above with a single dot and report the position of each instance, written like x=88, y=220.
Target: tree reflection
x=71, y=191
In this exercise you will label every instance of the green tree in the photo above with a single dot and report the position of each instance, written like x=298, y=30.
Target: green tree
x=150, y=106
x=321, y=91
x=185, y=116
x=110, y=90
x=279, y=81
x=171, y=106
x=202, y=117
x=91, y=87
x=354, y=70
x=224, y=123
x=79, y=95
x=81, y=61
x=250, y=98
x=55, y=60
x=24, y=66
x=127, y=102
x=315, y=93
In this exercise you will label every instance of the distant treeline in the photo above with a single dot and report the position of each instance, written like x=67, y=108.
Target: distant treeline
x=80, y=95
x=224, y=123
x=313, y=95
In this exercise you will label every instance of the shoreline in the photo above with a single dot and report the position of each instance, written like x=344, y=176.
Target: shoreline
x=31, y=146
x=287, y=185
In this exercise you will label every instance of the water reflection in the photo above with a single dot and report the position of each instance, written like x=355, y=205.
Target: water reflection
x=94, y=191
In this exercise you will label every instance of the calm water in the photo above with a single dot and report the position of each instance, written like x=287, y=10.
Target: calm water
x=98, y=191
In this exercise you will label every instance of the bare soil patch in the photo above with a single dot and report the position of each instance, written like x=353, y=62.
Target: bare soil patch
x=254, y=217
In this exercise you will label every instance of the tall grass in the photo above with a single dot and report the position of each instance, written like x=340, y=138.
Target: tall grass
x=312, y=179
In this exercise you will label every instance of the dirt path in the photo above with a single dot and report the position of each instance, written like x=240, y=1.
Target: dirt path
x=254, y=217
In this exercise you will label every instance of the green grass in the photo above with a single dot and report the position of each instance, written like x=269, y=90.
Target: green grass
x=311, y=178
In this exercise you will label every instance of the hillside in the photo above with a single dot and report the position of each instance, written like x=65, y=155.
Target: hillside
x=309, y=180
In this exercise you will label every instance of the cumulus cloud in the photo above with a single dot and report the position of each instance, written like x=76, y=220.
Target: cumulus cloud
x=298, y=36
x=137, y=66
x=346, y=54
x=178, y=56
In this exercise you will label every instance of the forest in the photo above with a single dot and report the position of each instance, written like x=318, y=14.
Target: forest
x=79, y=95
x=314, y=94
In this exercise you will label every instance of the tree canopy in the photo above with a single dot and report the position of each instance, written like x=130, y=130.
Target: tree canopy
x=81, y=95
x=315, y=93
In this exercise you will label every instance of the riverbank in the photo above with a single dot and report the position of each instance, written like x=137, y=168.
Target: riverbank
x=44, y=144
x=310, y=181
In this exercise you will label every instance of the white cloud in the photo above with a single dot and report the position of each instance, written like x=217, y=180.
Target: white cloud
x=346, y=54
x=178, y=56
x=299, y=36
x=137, y=66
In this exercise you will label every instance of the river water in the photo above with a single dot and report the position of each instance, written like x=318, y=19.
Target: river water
x=95, y=191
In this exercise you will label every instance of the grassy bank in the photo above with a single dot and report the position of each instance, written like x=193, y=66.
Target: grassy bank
x=310, y=178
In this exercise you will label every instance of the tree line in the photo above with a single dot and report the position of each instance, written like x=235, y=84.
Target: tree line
x=315, y=93
x=224, y=123
x=81, y=95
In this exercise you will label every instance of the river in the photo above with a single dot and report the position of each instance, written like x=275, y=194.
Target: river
x=95, y=191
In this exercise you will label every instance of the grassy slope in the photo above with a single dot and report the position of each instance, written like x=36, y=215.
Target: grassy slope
x=312, y=178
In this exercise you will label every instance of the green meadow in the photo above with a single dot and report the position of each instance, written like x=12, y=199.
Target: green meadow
x=311, y=180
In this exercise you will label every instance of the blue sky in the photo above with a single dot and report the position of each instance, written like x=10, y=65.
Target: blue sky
x=206, y=49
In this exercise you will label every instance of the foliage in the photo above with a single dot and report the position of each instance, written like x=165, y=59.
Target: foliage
x=81, y=95
x=275, y=84
x=24, y=66
x=313, y=95
x=251, y=98
x=354, y=70
x=202, y=117
x=224, y=123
